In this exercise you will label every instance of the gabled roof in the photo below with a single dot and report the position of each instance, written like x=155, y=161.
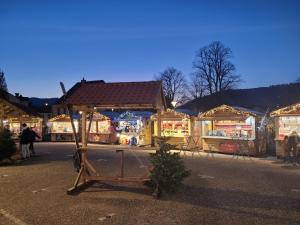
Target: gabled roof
x=63, y=118
x=10, y=106
x=226, y=112
x=292, y=110
x=261, y=99
x=172, y=114
x=146, y=94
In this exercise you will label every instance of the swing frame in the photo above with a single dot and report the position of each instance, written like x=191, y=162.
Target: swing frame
x=87, y=174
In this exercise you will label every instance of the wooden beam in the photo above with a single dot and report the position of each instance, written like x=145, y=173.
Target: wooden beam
x=159, y=123
x=118, y=179
x=70, y=113
x=83, y=129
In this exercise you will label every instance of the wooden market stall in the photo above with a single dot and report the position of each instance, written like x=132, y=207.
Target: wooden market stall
x=229, y=129
x=60, y=127
x=102, y=129
x=175, y=126
x=286, y=121
x=14, y=114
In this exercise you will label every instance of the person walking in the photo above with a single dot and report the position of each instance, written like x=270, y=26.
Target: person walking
x=24, y=141
x=286, y=149
x=32, y=137
x=293, y=142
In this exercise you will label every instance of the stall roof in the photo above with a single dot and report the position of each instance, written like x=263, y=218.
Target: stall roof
x=292, y=110
x=172, y=114
x=63, y=117
x=186, y=111
x=228, y=112
x=10, y=107
x=127, y=95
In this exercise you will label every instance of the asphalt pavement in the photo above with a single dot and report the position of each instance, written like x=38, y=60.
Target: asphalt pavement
x=220, y=190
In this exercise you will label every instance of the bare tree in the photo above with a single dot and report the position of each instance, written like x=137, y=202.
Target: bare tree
x=196, y=86
x=213, y=67
x=174, y=85
x=3, y=85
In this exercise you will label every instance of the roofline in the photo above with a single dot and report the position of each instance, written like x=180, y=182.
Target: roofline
x=202, y=115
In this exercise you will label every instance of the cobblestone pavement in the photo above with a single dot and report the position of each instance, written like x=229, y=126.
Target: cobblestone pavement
x=221, y=190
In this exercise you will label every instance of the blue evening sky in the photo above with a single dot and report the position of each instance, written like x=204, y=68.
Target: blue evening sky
x=45, y=42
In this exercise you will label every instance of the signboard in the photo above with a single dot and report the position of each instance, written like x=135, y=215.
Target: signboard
x=229, y=147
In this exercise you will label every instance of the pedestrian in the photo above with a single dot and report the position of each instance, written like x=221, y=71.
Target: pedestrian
x=32, y=137
x=24, y=141
x=293, y=142
x=286, y=149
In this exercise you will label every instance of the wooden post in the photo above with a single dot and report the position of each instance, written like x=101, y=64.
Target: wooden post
x=70, y=113
x=89, y=127
x=159, y=123
x=122, y=162
x=83, y=129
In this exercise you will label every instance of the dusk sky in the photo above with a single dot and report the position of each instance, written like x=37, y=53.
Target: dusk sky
x=45, y=42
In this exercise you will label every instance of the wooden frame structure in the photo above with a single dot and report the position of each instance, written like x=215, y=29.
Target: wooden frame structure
x=87, y=173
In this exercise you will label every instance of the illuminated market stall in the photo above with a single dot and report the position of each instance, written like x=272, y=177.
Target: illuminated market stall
x=102, y=129
x=229, y=129
x=287, y=120
x=61, y=129
x=133, y=127
x=14, y=114
x=175, y=126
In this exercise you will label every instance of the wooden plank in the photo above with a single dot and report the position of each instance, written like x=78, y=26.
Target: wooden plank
x=118, y=179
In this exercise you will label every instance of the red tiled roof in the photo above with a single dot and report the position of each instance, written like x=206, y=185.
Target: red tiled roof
x=98, y=93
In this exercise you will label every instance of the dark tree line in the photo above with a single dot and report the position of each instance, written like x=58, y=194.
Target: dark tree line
x=212, y=72
x=3, y=85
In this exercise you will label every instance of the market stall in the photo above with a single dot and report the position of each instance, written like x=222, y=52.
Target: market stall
x=175, y=126
x=286, y=120
x=60, y=128
x=102, y=130
x=14, y=114
x=133, y=127
x=15, y=124
x=229, y=129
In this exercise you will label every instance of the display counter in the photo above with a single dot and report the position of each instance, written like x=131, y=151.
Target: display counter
x=15, y=125
x=60, y=128
x=175, y=126
x=102, y=130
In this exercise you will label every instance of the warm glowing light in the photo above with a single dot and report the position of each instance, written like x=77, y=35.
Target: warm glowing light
x=174, y=103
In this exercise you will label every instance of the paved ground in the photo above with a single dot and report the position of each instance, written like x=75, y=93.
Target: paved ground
x=219, y=191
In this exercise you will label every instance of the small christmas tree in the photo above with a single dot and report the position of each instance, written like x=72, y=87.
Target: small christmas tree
x=7, y=145
x=168, y=170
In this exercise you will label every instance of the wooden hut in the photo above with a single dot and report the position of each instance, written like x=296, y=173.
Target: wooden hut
x=227, y=129
x=60, y=128
x=176, y=127
x=14, y=113
x=286, y=120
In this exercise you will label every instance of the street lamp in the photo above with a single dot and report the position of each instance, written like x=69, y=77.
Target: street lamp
x=174, y=104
